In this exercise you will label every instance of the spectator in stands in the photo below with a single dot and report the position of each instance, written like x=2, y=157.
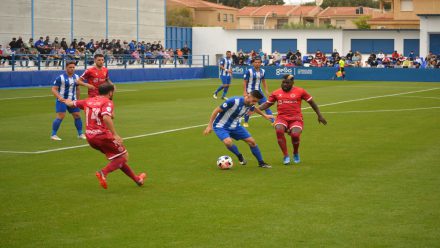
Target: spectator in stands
x=372, y=62
x=407, y=63
x=22, y=56
x=349, y=55
x=56, y=43
x=234, y=59
x=47, y=41
x=412, y=56
x=417, y=63
x=386, y=61
x=71, y=53
x=39, y=44
x=64, y=44
x=357, y=59
x=395, y=56
x=335, y=55
x=1, y=55
x=186, y=52
x=314, y=63
x=241, y=58
x=298, y=54
x=289, y=54
x=319, y=55
x=81, y=43
x=91, y=45
x=7, y=55
x=179, y=56
x=380, y=56
x=430, y=56
x=398, y=64
x=171, y=55
x=13, y=44
x=159, y=46
x=74, y=44
x=299, y=61
x=276, y=58
x=432, y=64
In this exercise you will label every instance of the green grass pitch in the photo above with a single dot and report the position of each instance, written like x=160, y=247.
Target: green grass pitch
x=370, y=178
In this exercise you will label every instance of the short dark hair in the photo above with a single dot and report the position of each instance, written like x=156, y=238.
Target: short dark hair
x=257, y=94
x=105, y=88
x=70, y=62
x=98, y=55
x=288, y=76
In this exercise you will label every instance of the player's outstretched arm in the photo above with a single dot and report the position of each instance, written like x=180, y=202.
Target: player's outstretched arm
x=315, y=107
x=109, y=123
x=214, y=114
x=265, y=106
x=82, y=83
x=267, y=117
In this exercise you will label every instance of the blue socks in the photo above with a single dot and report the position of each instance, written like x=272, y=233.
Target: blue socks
x=218, y=89
x=56, y=125
x=234, y=149
x=256, y=151
x=79, y=126
x=225, y=90
x=246, y=118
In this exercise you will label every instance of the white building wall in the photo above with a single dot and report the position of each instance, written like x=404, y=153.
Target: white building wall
x=53, y=18
x=397, y=35
x=15, y=20
x=428, y=24
x=212, y=41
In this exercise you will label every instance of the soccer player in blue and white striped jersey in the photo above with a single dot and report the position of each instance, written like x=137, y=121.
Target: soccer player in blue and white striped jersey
x=66, y=87
x=225, y=121
x=225, y=75
x=254, y=80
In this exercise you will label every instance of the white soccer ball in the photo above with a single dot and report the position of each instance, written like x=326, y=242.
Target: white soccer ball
x=224, y=162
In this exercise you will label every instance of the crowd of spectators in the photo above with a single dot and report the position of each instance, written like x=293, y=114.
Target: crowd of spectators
x=352, y=59
x=50, y=52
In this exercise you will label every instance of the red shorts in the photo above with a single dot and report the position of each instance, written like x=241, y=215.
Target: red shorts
x=106, y=144
x=290, y=123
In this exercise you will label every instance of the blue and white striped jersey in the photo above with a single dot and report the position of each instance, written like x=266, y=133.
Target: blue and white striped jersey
x=67, y=86
x=227, y=64
x=233, y=109
x=254, y=79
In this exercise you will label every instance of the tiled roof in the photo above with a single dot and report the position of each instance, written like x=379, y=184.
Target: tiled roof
x=279, y=10
x=343, y=11
x=199, y=4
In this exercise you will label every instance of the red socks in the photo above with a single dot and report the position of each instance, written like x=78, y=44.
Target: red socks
x=295, y=142
x=129, y=172
x=114, y=165
x=120, y=163
x=282, y=141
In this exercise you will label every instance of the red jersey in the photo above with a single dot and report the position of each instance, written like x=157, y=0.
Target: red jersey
x=95, y=109
x=95, y=77
x=289, y=103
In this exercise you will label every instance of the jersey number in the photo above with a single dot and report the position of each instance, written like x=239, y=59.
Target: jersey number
x=94, y=115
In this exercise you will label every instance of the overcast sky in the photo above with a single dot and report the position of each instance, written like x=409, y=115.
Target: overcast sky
x=297, y=1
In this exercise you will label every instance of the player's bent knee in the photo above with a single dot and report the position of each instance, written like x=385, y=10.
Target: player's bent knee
x=61, y=115
x=227, y=142
x=251, y=142
x=296, y=130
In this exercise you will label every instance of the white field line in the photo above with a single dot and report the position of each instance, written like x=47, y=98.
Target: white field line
x=201, y=125
x=30, y=97
x=375, y=111
x=425, y=97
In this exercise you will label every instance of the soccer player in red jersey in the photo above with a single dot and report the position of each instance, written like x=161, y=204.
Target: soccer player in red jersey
x=289, y=118
x=95, y=76
x=101, y=133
